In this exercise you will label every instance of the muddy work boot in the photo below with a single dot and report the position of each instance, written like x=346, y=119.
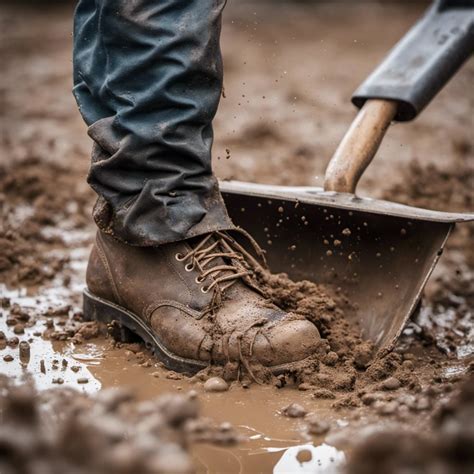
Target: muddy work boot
x=194, y=303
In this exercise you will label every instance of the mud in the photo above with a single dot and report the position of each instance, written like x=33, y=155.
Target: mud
x=62, y=431
x=446, y=447
x=286, y=108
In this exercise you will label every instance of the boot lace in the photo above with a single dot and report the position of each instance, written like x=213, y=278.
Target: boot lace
x=238, y=262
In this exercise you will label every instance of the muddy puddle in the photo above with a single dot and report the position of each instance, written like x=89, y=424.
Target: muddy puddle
x=270, y=442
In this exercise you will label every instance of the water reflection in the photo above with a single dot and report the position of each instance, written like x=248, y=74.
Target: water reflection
x=307, y=458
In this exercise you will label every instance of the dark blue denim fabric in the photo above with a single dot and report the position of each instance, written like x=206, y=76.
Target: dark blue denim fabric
x=147, y=80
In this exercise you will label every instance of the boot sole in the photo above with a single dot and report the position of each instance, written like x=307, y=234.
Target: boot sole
x=130, y=326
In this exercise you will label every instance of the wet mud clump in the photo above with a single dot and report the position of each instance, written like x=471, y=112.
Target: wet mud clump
x=342, y=354
x=446, y=448
x=37, y=201
x=61, y=430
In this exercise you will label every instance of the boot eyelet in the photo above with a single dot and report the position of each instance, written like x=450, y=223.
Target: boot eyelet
x=199, y=279
x=189, y=267
x=204, y=289
x=179, y=257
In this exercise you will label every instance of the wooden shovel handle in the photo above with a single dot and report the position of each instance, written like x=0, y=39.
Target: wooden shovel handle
x=359, y=145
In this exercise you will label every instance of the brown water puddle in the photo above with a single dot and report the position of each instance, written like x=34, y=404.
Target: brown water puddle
x=270, y=441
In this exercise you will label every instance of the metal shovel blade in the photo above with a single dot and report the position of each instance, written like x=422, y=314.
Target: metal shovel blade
x=379, y=253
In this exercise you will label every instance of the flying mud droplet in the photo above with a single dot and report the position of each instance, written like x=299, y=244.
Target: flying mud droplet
x=8, y=358
x=280, y=209
x=403, y=231
x=346, y=231
x=337, y=243
x=329, y=253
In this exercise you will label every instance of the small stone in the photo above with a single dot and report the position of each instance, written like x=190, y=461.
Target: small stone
x=392, y=383
x=216, y=384
x=225, y=427
x=294, y=410
x=386, y=408
x=369, y=398
x=316, y=426
x=83, y=380
x=156, y=375
x=304, y=386
x=19, y=329
x=423, y=403
x=8, y=358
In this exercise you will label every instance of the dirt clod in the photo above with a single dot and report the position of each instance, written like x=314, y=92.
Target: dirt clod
x=392, y=383
x=294, y=410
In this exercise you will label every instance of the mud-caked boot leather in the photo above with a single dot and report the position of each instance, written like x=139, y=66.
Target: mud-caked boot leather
x=194, y=304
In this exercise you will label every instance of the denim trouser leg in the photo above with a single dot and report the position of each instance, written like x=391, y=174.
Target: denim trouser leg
x=147, y=79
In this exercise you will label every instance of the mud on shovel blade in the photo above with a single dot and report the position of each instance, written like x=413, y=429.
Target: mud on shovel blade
x=385, y=255
x=379, y=253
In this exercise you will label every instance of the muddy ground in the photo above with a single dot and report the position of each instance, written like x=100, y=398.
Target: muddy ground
x=290, y=71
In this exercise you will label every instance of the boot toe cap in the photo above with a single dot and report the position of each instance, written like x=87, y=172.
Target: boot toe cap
x=286, y=342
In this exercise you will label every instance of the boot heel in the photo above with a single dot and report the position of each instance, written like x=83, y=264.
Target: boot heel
x=121, y=333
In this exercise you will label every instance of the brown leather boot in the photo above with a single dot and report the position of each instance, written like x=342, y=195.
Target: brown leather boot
x=194, y=304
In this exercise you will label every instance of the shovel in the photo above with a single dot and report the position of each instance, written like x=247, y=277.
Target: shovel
x=380, y=254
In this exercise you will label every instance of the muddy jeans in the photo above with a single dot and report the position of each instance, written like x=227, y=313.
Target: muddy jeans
x=147, y=80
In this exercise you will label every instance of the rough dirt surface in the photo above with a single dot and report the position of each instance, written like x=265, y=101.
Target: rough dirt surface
x=112, y=432
x=445, y=448
x=289, y=76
